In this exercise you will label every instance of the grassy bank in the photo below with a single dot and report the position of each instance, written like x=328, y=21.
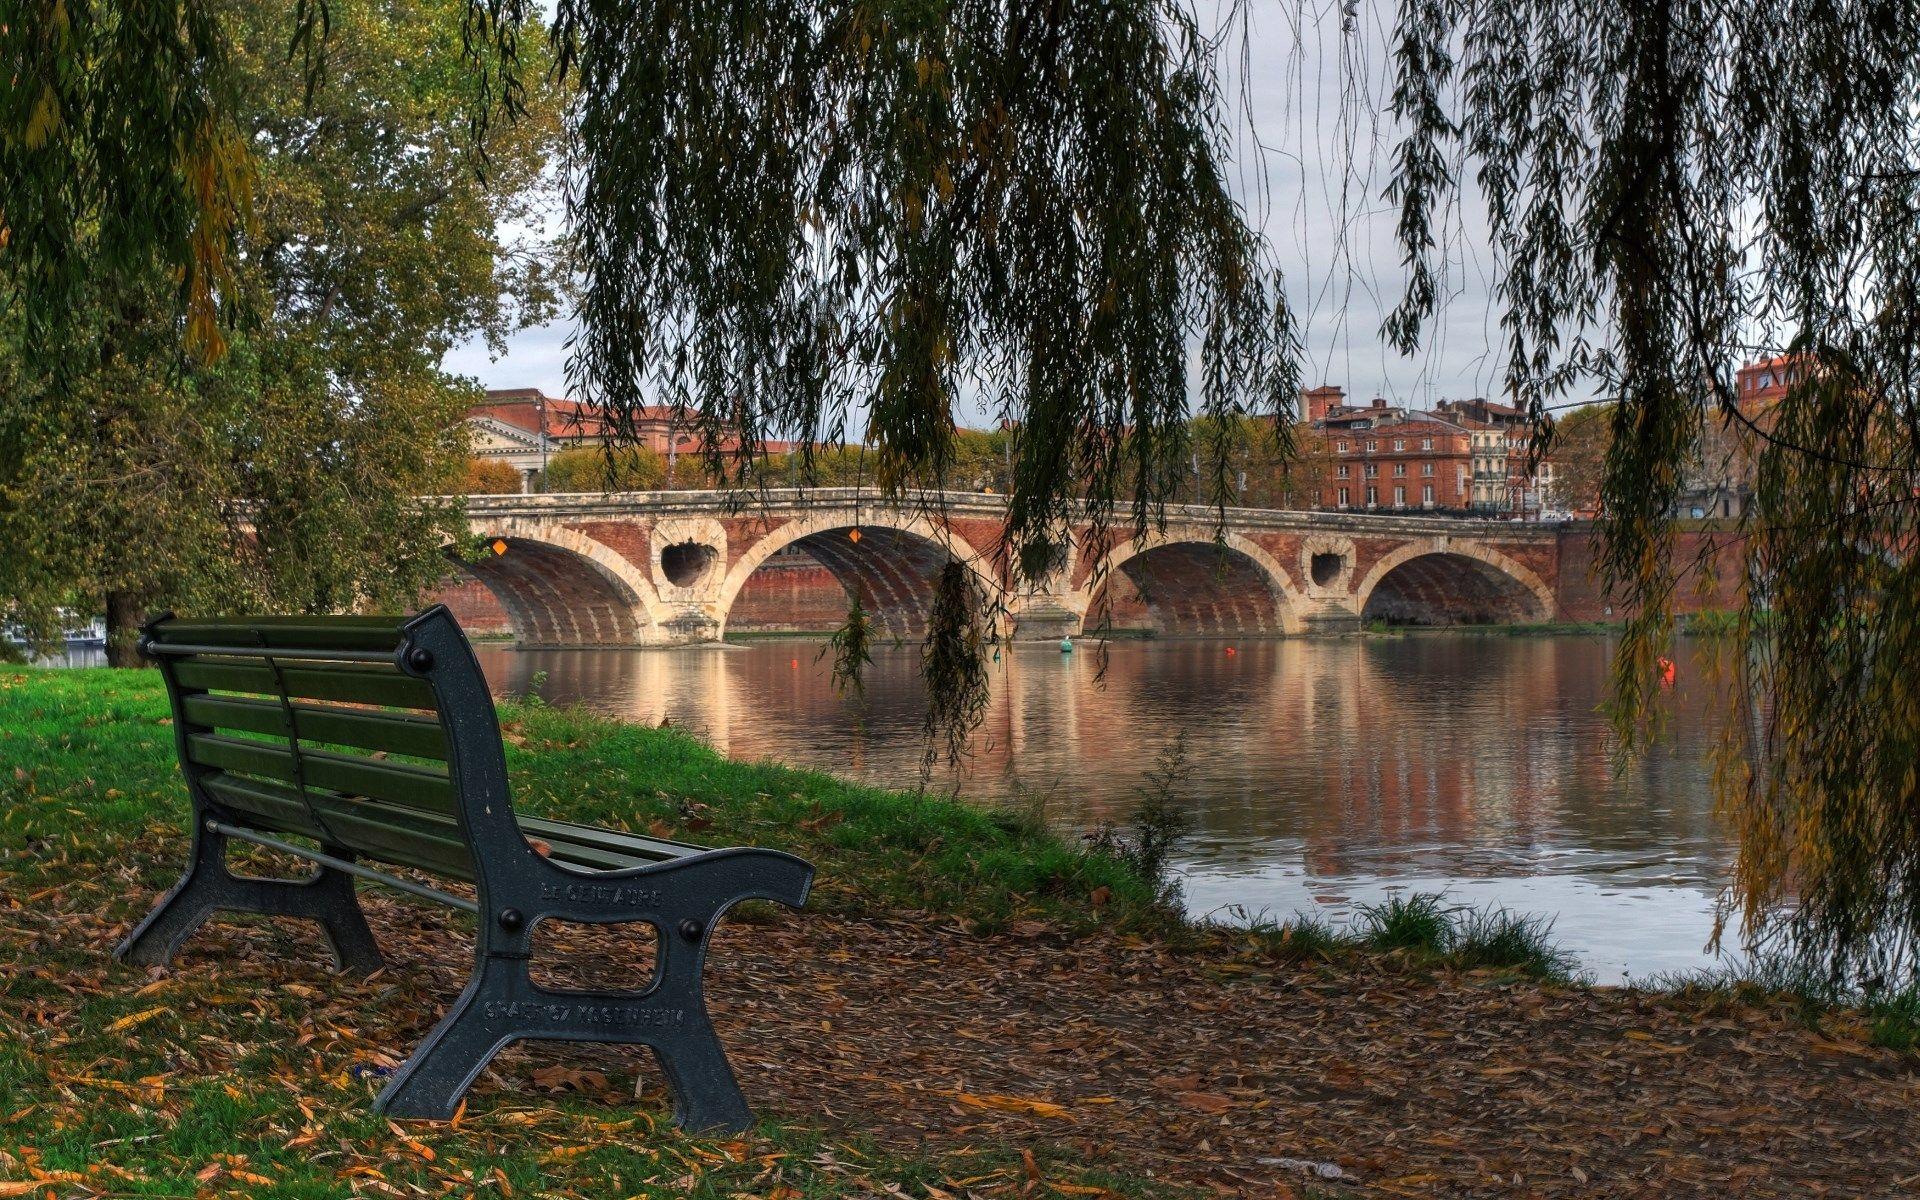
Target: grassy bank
x=91, y=767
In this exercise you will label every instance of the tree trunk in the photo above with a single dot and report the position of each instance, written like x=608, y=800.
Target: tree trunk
x=125, y=614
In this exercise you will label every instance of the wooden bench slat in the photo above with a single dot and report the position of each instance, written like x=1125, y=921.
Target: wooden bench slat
x=353, y=683
x=631, y=844
x=408, y=836
x=404, y=784
x=364, y=828
x=368, y=729
x=299, y=632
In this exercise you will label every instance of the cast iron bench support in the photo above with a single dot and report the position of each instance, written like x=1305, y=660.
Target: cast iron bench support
x=682, y=891
x=682, y=900
x=209, y=886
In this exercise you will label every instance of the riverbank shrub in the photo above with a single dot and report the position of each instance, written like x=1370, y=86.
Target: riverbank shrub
x=1494, y=938
x=1415, y=923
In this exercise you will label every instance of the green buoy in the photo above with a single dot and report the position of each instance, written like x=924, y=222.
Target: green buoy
x=1066, y=645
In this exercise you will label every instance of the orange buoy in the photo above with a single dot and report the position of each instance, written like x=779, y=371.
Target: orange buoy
x=795, y=664
x=1666, y=672
x=853, y=535
x=1231, y=650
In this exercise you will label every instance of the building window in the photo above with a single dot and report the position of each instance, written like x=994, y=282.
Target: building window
x=1400, y=469
x=1399, y=444
x=1343, y=497
x=1426, y=468
x=1372, y=470
x=1426, y=443
x=1372, y=446
x=1399, y=497
x=1342, y=471
x=1339, y=447
x=1373, y=497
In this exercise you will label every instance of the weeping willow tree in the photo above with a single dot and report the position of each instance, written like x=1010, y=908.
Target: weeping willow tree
x=1675, y=188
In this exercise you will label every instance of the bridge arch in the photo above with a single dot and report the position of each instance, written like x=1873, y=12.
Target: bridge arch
x=561, y=587
x=1449, y=582
x=893, y=564
x=1195, y=582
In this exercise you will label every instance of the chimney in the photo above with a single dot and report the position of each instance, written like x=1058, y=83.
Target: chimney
x=1316, y=403
x=1379, y=402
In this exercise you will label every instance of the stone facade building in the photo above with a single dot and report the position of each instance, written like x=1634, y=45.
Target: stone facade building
x=1462, y=456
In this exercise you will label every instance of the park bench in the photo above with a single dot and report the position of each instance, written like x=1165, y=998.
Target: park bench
x=375, y=738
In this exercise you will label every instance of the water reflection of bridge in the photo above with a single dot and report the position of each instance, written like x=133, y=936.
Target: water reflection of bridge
x=1325, y=752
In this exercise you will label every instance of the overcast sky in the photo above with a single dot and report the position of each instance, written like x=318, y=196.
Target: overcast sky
x=1314, y=84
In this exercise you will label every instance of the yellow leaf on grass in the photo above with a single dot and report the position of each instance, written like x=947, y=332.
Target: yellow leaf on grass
x=1015, y=1104
x=133, y=1019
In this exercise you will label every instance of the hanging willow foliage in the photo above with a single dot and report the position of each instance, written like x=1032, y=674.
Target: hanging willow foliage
x=954, y=664
x=117, y=150
x=796, y=220
x=1675, y=188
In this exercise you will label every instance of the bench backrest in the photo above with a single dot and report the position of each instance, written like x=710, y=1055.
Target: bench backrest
x=333, y=728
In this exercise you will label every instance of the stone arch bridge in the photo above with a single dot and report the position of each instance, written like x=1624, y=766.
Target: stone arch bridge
x=672, y=568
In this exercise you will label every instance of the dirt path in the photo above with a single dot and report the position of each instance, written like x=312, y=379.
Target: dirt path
x=1144, y=1061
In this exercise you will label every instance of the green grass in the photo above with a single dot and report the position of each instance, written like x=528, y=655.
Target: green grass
x=91, y=761
x=1493, y=938
x=1420, y=929
x=1888, y=1017
x=1896, y=1020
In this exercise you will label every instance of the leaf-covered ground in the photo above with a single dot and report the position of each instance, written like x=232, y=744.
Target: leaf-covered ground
x=894, y=1050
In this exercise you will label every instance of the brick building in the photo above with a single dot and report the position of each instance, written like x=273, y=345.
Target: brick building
x=522, y=427
x=1461, y=456
x=1719, y=482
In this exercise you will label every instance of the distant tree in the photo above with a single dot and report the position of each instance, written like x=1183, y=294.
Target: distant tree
x=592, y=469
x=1581, y=441
x=271, y=460
x=491, y=477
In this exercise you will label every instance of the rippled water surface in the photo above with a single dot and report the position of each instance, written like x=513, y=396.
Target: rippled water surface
x=1326, y=773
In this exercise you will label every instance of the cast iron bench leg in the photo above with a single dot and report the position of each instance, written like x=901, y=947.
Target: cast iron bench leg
x=501, y=1004
x=208, y=887
x=432, y=1080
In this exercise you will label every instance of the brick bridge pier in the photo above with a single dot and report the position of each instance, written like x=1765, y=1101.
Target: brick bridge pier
x=673, y=568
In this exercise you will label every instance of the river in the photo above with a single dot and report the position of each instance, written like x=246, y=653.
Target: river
x=1325, y=773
